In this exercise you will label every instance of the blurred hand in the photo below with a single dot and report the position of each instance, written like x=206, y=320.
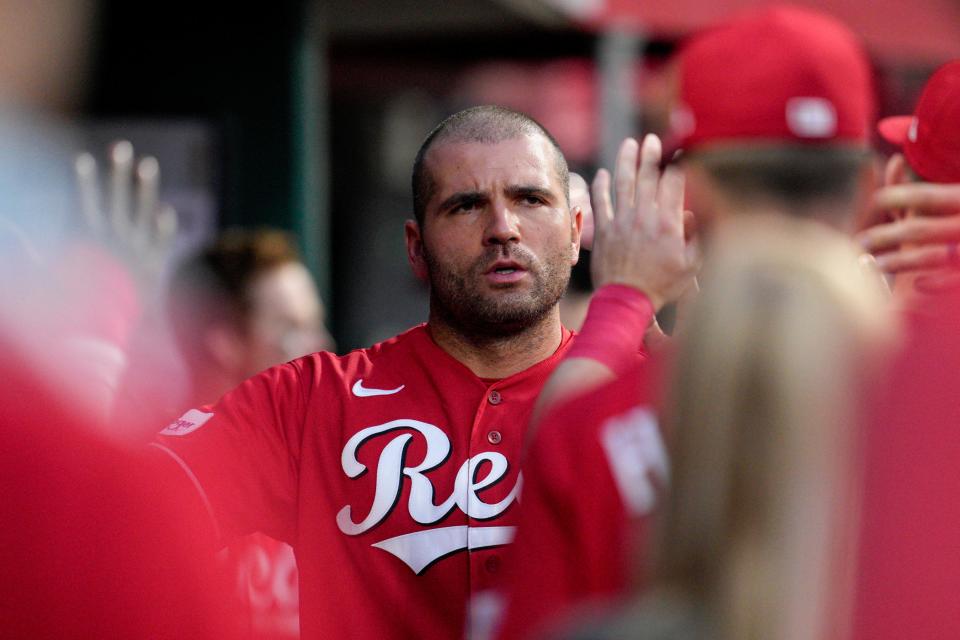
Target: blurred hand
x=640, y=242
x=125, y=215
x=924, y=230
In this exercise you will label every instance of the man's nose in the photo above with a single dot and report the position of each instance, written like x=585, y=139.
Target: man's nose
x=502, y=225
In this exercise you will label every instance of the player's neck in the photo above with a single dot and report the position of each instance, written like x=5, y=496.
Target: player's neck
x=501, y=356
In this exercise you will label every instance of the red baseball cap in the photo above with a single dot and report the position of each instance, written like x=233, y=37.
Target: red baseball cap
x=930, y=138
x=780, y=74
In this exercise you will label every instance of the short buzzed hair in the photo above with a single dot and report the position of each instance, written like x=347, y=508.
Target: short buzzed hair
x=487, y=124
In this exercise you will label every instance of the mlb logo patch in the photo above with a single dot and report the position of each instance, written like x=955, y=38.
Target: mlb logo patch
x=187, y=423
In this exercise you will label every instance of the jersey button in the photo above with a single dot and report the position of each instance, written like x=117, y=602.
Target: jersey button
x=494, y=437
x=495, y=397
x=492, y=564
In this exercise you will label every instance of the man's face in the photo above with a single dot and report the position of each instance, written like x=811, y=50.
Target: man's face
x=498, y=237
x=286, y=318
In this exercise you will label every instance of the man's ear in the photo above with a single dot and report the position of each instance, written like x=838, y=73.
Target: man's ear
x=576, y=231
x=414, y=240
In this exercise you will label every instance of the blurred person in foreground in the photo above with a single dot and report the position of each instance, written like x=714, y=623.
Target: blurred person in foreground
x=242, y=304
x=61, y=293
x=784, y=135
x=393, y=470
x=89, y=545
x=756, y=534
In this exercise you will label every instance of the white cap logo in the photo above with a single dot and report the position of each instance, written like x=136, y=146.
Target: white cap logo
x=811, y=117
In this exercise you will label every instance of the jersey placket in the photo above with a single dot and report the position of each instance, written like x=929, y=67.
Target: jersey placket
x=488, y=436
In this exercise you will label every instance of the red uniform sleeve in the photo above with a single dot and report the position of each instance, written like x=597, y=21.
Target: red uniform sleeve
x=564, y=554
x=242, y=454
x=587, y=493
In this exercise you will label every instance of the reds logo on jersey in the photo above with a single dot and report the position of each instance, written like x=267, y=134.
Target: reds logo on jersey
x=421, y=548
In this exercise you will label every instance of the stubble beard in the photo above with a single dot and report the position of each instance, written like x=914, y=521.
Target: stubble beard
x=460, y=301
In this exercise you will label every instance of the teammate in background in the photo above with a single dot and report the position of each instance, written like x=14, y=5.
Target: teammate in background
x=909, y=574
x=786, y=135
x=242, y=304
x=393, y=470
x=922, y=191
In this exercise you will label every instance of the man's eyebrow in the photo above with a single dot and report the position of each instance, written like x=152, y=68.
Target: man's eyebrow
x=461, y=198
x=522, y=190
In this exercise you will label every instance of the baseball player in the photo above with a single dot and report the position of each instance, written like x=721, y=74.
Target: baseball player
x=921, y=189
x=785, y=134
x=393, y=470
x=909, y=564
x=243, y=303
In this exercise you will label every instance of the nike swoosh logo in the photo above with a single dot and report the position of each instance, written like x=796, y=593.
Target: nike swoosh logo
x=363, y=392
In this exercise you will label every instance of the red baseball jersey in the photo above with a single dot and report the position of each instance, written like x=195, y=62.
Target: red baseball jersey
x=591, y=478
x=266, y=586
x=909, y=574
x=393, y=472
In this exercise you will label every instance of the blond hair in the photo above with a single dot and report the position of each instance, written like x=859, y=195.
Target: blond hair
x=761, y=419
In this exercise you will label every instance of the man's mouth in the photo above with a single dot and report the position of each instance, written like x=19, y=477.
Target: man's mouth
x=505, y=272
x=505, y=266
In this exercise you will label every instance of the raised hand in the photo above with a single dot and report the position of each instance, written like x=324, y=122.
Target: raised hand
x=639, y=240
x=125, y=214
x=922, y=238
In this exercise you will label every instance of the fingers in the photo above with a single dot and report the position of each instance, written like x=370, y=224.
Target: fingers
x=625, y=175
x=918, y=258
x=88, y=185
x=159, y=235
x=119, y=194
x=148, y=190
x=931, y=198
x=165, y=228
x=910, y=230
x=895, y=171
x=134, y=224
x=648, y=179
x=670, y=200
x=602, y=206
